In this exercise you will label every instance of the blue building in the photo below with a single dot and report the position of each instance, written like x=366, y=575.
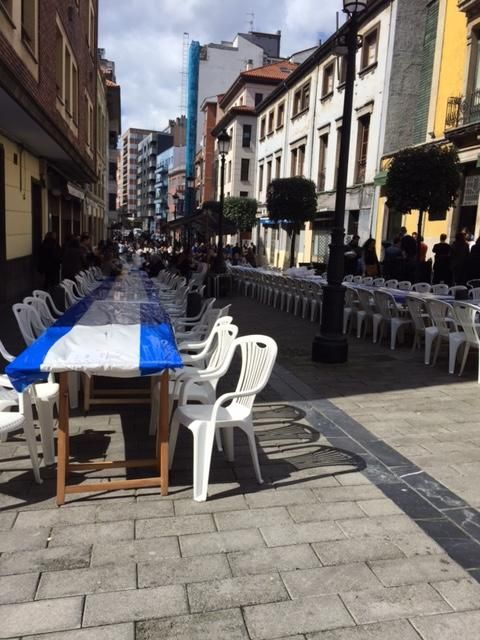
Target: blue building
x=163, y=166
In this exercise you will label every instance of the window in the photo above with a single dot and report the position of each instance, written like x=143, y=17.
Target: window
x=260, y=179
x=91, y=27
x=293, y=163
x=67, y=68
x=328, y=76
x=269, y=172
x=89, y=114
x=322, y=162
x=229, y=171
x=342, y=64
x=258, y=98
x=300, y=160
x=59, y=63
x=301, y=99
x=337, y=153
x=29, y=30
x=362, y=147
x=271, y=118
x=244, y=169
x=75, y=93
x=112, y=202
x=246, y=135
x=280, y=115
x=278, y=163
x=262, y=127
x=243, y=194
x=370, y=48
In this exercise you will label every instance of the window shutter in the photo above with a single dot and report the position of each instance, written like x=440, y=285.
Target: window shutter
x=421, y=115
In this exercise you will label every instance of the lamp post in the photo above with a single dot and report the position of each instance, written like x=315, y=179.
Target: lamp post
x=175, y=209
x=331, y=345
x=223, y=145
x=191, y=202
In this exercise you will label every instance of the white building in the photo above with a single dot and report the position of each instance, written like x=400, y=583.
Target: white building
x=299, y=129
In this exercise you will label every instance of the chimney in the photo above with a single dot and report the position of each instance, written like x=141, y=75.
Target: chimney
x=249, y=65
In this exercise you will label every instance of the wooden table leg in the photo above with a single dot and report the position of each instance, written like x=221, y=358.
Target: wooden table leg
x=163, y=433
x=62, y=457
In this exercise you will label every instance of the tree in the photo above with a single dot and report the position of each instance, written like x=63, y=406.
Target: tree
x=425, y=179
x=291, y=201
x=241, y=211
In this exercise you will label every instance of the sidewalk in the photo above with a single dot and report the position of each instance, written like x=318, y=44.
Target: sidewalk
x=365, y=528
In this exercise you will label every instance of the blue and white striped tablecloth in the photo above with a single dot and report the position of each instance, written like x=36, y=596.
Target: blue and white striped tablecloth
x=120, y=330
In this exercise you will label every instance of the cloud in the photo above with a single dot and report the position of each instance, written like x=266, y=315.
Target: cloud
x=145, y=38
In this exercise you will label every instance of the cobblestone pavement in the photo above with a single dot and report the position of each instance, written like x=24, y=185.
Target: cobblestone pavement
x=366, y=527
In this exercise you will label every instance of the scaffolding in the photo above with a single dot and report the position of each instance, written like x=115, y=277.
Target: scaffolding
x=184, y=74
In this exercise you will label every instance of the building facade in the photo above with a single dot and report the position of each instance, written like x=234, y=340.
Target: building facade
x=48, y=96
x=127, y=175
x=149, y=148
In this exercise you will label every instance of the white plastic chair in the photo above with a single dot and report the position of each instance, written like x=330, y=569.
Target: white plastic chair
x=440, y=289
x=350, y=308
x=22, y=419
x=421, y=287
x=467, y=316
x=357, y=279
x=391, y=316
x=41, y=308
x=420, y=319
x=391, y=284
x=368, y=280
x=367, y=313
x=71, y=292
x=29, y=322
x=258, y=357
x=378, y=282
x=458, y=287
x=474, y=294
x=348, y=278
x=405, y=285
x=46, y=297
x=443, y=329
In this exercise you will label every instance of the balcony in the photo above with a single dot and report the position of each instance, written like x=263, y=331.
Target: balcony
x=463, y=110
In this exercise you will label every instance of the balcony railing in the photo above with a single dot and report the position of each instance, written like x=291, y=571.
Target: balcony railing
x=463, y=110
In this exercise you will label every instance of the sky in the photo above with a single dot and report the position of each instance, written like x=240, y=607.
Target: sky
x=145, y=40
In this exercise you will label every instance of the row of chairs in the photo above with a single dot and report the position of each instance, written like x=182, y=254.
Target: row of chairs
x=473, y=286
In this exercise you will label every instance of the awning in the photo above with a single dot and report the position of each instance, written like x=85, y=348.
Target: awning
x=380, y=179
x=75, y=191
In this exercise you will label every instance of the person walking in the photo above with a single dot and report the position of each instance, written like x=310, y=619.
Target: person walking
x=442, y=270
x=371, y=266
x=460, y=257
x=474, y=261
x=49, y=260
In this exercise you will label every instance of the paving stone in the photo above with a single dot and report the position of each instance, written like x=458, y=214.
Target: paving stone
x=147, y=550
x=380, y=507
x=252, y=518
x=391, y=603
x=270, y=559
x=51, y=559
x=298, y=533
x=230, y=503
x=220, y=542
x=124, y=631
x=392, y=630
x=356, y=550
x=81, y=581
x=32, y=538
x=183, y=570
x=54, y=517
x=420, y=569
x=90, y=533
x=19, y=588
x=267, y=621
x=200, y=626
x=174, y=526
x=133, y=605
x=378, y=526
x=7, y=520
x=461, y=594
x=40, y=616
x=274, y=498
x=347, y=494
x=325, y=511
x=329, y=580
x=133, y=511
x=451, y=626
x=236, y=592
x=415, y=544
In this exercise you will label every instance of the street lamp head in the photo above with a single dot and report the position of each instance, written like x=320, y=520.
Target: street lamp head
x=223, y=142
x=175, y=196
x=190, y=182
x=353, y=7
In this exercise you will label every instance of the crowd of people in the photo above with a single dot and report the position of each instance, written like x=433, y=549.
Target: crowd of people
x=405, y=258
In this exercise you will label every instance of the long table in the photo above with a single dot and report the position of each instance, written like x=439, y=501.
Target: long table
x=120, y=330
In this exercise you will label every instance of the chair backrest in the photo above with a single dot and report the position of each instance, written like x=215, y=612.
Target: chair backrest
x=422, y=287
x=223, y=335
x=416, y=308
x=82, y=284
x=378, y=282
x=441, y=315
x=29, y=322
x=367, y=280
x=392, y=283
x=357, y=279
x=44, y=295
x=466, y=316
x=42, y=309
x=405, y=285
x=70, y=297
x=258, y=357
x=440, y=289
x=5, y=354
x=473, y=283
x=351, y=297
x=474, y=294
x=365, y=299
x=386, y=304
x=348, y=278
x=457, y=287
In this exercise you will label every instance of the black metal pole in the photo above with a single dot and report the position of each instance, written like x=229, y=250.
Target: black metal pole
x=331, y=345
x=219, y=263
